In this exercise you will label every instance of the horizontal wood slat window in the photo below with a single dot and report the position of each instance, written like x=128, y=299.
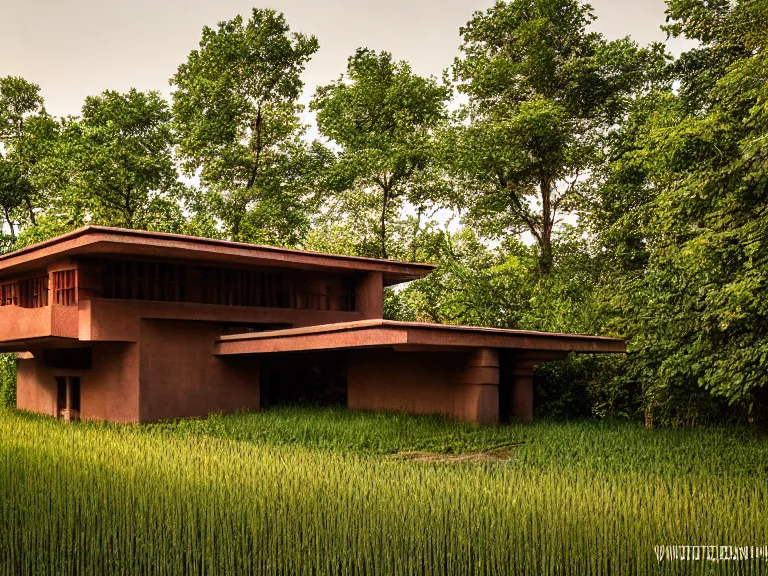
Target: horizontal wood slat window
x=65, y=287
x=154, y=281
x=228, y=287
x=231, y=287
x=28, y=293
x=162, y=282
x=9, y=294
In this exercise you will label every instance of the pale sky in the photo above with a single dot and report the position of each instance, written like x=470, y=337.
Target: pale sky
x=77, y=48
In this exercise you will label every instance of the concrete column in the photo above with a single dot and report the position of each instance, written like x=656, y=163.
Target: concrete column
x=476, y=396
x=369, y=298
x=517, y=382
x=521, y=395
x=68, y=402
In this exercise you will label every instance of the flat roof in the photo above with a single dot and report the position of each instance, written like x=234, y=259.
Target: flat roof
x=409, y=335
x=101, y=240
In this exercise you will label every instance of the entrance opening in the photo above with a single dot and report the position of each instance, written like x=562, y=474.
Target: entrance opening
x=310, y=378
x=505, y=400
x=61, y=394
x=75, y=394
x=68, y=391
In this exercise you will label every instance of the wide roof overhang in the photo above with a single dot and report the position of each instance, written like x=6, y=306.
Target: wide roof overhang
x=99, y=240
x=410, y=336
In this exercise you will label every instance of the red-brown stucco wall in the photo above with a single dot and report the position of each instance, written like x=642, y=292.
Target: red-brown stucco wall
x=35, y=387
x=369, y=296
x=170, y=373
x=108, y=391
x=463, y=385
x=181, y=377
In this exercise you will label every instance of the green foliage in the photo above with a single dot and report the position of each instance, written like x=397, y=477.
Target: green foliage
x=502, y=288
x=684, y=214
x=13, y=188
x=646, y=205
x=381, y=117
x=237, y=116
x=121, y=171
x=27, y=134
x=472, y=285
x=306, y=492
x=583, y=386
x=7, y=380
x=351, y=225
x=542, y=91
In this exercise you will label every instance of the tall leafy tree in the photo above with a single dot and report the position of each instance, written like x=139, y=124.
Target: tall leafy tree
x=542, y=91
x=685, y=211
x=382, y=118
x=236, y=114
x=27, y=135
x=119, y=161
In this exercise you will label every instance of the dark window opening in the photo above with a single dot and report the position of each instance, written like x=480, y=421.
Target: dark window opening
x=65, y=287
x=156, y=281
x=318, y=379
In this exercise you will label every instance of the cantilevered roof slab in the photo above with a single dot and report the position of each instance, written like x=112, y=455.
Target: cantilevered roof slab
x=409, y=336
x=104, y=241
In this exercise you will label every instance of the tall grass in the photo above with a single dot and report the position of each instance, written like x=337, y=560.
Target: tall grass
x=203, y=498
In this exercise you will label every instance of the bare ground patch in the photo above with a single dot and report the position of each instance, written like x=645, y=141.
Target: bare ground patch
x=496, y=454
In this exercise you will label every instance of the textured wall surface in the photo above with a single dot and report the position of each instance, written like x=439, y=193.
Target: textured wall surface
x=180, y=376
x=459, y=384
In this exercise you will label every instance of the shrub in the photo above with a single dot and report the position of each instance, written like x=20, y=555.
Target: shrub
x=7, y=380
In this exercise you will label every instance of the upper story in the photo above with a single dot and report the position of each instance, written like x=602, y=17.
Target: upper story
x=96, y=282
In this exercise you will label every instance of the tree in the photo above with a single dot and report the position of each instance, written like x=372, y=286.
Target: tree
x=684, y=209
x=542, y=93
x=27, y=135
x=236, y=114
x=350, y=224
x=382, y=117
x=120, y=165
x=13, y=189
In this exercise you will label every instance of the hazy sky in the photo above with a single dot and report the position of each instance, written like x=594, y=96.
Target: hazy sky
x=76, y=48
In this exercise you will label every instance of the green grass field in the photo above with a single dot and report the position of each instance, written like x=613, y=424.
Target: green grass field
x=304, y=491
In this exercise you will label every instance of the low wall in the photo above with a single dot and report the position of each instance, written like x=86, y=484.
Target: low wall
x=29, y=323
x=463, y=385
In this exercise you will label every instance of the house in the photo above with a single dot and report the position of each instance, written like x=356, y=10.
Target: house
x=133, y=326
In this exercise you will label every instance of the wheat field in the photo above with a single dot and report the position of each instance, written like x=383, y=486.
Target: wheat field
x=260, y=494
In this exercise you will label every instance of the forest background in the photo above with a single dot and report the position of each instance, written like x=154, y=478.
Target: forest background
x=559, y=180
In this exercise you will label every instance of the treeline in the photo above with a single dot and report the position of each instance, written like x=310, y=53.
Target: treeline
x=599, y=186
